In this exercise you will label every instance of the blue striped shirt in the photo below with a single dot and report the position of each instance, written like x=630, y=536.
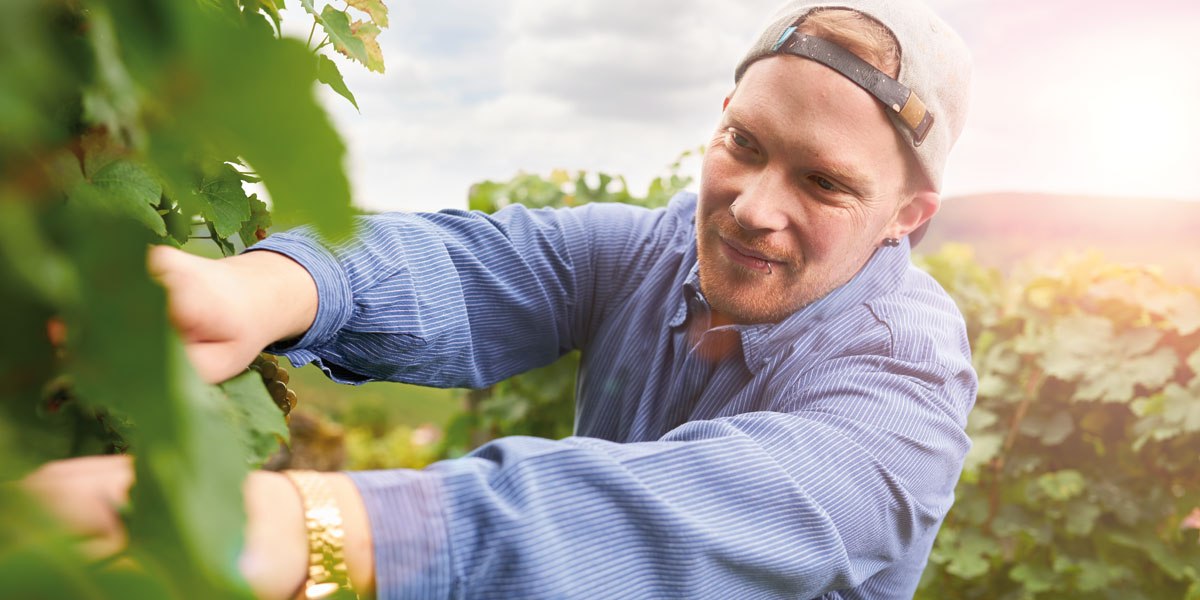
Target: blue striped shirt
x=811, y=458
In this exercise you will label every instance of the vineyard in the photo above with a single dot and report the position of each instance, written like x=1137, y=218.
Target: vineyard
x=127, y=123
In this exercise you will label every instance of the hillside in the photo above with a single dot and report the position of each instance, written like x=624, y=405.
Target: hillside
x=1010, y=227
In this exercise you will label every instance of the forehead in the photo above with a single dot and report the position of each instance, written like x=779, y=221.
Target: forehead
x=806, y=110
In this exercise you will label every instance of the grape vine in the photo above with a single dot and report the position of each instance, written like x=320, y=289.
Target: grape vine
x=132, y=122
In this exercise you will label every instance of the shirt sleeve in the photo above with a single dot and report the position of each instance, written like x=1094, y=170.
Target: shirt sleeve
x=853, y=473
x=466, y=299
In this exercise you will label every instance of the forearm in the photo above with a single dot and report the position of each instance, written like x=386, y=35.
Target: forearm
x=275, y=559
x=285, y=292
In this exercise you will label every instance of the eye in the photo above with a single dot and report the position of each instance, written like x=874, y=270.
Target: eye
x=738, y=141
x=823, y=183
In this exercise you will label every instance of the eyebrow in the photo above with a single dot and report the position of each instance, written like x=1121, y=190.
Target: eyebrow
x=846, y=175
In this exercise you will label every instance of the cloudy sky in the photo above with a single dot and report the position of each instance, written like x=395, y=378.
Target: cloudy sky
x=1071, y=96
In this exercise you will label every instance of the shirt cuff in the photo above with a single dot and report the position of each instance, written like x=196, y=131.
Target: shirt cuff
x=335, y=300
x=408, y=531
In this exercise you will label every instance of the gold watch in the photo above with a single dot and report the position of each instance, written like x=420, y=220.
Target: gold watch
x=327, y=576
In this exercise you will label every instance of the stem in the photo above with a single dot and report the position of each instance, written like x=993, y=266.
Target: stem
x=1032, y=386
x=311, y=32
x=324, y=43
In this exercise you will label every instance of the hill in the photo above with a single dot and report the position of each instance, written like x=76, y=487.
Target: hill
x=1008, y=228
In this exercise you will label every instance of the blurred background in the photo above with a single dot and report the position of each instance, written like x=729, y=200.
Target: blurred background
x=1068, y=236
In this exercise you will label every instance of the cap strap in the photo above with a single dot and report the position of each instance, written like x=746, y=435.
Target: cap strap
x=894, y=95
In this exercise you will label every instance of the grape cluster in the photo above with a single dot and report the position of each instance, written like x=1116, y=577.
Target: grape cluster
x=276, y=378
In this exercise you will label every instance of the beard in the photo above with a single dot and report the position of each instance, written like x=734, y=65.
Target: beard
x=743, y=295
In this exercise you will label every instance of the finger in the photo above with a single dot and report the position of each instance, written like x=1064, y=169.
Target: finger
x=161, y=260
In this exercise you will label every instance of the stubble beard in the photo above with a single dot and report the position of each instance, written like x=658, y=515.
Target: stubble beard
x=742, y=295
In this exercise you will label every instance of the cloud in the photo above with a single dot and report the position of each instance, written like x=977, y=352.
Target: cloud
x=480, y=89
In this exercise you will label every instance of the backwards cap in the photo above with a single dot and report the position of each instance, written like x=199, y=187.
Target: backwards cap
x=927, y=102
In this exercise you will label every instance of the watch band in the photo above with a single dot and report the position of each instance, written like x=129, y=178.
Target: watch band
x=895, y=96
x=327, y=575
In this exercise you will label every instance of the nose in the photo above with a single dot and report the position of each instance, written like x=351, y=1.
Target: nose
x=760, y=205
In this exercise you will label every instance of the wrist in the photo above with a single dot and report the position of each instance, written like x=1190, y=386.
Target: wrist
x=359, y=551
x=340, y=559
x=275, y=558
x=286, y=293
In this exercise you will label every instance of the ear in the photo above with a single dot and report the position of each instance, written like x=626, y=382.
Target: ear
x=920, y=208
x=725, y=105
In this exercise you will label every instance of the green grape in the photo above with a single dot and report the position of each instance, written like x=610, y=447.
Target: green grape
x=275, y=377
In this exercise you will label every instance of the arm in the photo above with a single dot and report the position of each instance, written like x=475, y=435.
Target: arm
x=856, y=468
x=458, y=299
x=443, y=299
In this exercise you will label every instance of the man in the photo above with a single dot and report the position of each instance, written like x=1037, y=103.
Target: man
x=771, y=399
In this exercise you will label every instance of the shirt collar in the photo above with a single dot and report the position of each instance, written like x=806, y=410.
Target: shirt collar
x=760, y=343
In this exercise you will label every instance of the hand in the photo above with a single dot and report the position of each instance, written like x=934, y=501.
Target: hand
x=86, y=495
x=228, y=310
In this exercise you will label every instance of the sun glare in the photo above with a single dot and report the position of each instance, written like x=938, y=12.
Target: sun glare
x=1141, y=121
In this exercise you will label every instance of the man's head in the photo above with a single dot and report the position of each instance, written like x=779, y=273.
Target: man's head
x=808, y=172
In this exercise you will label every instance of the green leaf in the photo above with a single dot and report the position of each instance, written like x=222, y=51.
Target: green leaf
x=1107, y=366
x=375, y=8
x=984, y=447
x=329, y=74
x=114, y=101
x=258, y=103
x=1081, y=517
x=99, y=150
x=1034, y=578
x=260, y=218
x=337, y=25
x=1181, y=407
x=1052, y=430
x=124, y=188
x=187, y=516
x=255, y=416
x=1061, y=485
x=969, y=555
x=224, y=202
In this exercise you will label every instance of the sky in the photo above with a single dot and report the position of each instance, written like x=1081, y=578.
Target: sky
x=1074, y=97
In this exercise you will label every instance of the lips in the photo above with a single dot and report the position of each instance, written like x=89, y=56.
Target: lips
x=746, y=257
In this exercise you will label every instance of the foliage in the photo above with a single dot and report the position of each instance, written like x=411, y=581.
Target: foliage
x=124, y=123
x=1085, y=465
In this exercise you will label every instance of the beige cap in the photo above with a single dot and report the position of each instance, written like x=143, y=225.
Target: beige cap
x=934, y=64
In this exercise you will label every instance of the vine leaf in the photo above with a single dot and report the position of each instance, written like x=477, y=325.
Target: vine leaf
x=375, y=8
x=260, y=218
x=1051, y=431
x=1034, y=578
x=256, y=418
x=258, y=104
x=1062, y=485
x=125, y=188
x=368, y=34
x=1181, y=408
x=337, y=25
x=98, y=150
x=1107, y=366
x=225, y=204
x=329, y=74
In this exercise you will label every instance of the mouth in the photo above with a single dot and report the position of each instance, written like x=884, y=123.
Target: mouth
x=747, y=258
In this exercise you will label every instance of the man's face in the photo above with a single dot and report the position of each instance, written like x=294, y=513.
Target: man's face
x=815, y=175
